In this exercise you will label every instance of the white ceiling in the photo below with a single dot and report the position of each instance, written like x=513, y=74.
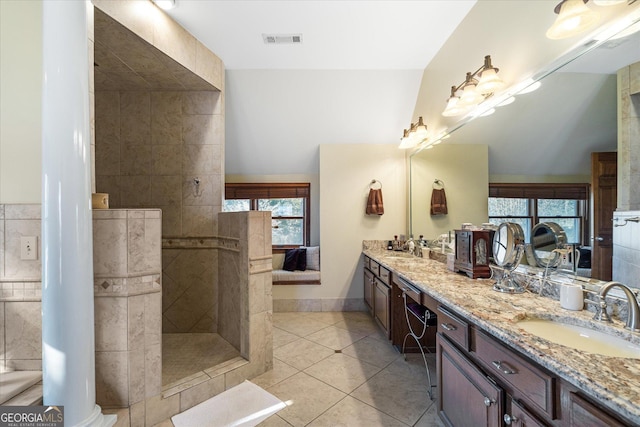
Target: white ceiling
x=373, y=35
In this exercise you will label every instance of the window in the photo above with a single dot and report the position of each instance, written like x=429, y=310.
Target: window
x=289, y=204
x=528, y=204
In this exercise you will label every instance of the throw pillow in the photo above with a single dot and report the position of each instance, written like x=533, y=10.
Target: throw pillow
x=290, y=260
x=302, y=260
x=313, y=257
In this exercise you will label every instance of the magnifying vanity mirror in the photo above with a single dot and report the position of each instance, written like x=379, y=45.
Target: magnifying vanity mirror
x=546, y=238
x=508, y=247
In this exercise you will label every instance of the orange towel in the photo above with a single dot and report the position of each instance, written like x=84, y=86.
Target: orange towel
x=374, y=202
x=438, y=202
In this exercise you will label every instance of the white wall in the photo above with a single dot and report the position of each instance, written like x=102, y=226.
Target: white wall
x=464, y=169
x=276, y=119
x=346, y=170
x=20, y=101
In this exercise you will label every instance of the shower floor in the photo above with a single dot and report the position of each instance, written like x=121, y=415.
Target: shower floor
x=186, y=354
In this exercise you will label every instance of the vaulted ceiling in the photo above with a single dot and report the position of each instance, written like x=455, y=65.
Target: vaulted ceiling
x=366, y=69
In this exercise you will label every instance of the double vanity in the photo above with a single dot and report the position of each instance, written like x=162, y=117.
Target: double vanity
x=497, y=364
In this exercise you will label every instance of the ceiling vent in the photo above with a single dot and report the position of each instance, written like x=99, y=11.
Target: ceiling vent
x=282, y=38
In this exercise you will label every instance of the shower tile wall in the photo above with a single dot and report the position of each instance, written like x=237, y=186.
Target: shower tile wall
x=128, y=301
x=20, y=291
x=151, y=149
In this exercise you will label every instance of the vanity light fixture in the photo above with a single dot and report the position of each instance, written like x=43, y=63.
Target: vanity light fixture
x=165, y=4
x=472, y=91
x=416, y=134
x=573, y=18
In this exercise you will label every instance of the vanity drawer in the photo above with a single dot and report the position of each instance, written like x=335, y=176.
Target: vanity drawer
x=453, y=327
x=374, y=267
x=367, y=262
x=410, y=290
x=529, y=383
x=385, y=275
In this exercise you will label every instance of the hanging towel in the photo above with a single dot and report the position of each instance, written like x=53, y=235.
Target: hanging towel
x=438, y=202
x=374, y=202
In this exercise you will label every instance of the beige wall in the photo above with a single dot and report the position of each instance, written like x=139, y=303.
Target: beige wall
x=20, y=103
x=346, y=170
x=464, y=169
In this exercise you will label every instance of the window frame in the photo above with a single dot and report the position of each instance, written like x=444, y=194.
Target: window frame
x=534, y=191
x=275, y=190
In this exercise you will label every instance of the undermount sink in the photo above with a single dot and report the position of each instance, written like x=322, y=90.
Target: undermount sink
x=580, y=338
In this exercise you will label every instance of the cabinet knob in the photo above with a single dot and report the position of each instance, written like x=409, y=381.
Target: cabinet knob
x=508, y=419
x=488, y=402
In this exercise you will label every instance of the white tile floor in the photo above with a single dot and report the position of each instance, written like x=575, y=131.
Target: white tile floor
x=337, y=369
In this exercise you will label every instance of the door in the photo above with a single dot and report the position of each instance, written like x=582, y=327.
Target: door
x=604, y=186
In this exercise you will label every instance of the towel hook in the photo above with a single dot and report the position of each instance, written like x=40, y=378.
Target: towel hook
x=374, y=182
x=438, y=183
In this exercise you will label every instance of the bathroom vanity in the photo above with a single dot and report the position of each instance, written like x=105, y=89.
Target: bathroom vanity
x=492, y=372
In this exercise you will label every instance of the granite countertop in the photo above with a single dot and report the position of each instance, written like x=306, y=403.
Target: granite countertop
x=613, y=381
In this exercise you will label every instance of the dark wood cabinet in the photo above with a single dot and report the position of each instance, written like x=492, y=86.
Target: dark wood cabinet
x=481, y=381
x=377, y=291
x=517, y=415
x=581, y=412
x=473, y=250
x=467, y=398
x=368, y=289
x=381, y=304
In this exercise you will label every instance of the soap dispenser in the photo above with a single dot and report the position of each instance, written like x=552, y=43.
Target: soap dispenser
x=411, y=245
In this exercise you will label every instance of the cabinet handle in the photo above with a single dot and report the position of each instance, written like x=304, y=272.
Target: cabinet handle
x=448, y=327
x=488, y=402
x=503, y=367
x=508, y=419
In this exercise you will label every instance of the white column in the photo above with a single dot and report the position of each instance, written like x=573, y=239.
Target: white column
x=67, y=248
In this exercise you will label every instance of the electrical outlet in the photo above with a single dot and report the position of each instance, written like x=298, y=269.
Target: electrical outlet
x=28, y=248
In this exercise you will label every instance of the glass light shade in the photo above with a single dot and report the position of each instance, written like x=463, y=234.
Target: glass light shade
x=420, y=130
x=408, y=142
x=489, y=81
x=574, y=17
x=470, y=96
x=453, y=109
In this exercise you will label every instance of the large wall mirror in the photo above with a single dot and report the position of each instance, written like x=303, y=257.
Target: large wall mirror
x=545, y=136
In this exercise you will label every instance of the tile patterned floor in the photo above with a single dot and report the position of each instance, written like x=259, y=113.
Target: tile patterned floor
x=186, y=354
x=337, y=369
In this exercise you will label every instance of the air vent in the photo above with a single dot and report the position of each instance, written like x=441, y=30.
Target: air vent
x=282, y=38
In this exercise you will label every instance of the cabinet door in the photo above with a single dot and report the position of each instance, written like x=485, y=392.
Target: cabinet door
x=584, y=413
x=368, y=289
x=381, y=305
x=518, y=416
x=466, y=396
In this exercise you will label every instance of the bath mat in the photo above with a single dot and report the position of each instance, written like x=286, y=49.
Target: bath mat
x=243, y=405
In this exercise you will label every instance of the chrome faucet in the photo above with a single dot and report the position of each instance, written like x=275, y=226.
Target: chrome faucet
x=633, y=311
